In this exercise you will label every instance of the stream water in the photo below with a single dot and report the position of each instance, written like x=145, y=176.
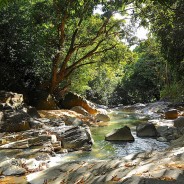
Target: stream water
x=105, y=149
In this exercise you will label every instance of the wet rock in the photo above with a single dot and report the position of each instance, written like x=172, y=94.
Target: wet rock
x=11, y=167
x=102, y=117
x=75, y=138
x=71, y=100
x=171, y=114
x=162, y=139
x=122, y=134
x=179, y=122
x=80, y=110
x=146, y=130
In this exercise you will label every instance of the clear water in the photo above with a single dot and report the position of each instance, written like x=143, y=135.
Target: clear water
x=105, y=149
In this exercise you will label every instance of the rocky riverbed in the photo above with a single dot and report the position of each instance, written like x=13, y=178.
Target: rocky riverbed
x=33, y=145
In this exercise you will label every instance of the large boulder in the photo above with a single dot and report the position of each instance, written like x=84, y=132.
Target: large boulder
x=179, y=122
x=14, y=121
x=75, y=138
x=171, y=114
x=146, y=130
x=121, y=134
x=102, y=117
x=71, y=100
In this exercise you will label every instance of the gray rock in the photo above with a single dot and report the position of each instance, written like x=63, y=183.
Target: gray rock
x=146, y=130
x=35, y=123
x=11, y=167
x=75, y=138
x=162, y=130
x=73, y=121
x=122, y=134
x=161, y=139
x=15, y=121
x=102, y=117
x=80, y=110
x=179, y=122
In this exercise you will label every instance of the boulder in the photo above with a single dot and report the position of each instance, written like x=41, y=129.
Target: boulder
x=171, y=114
x=178, y=142
x=179, y=122
x=80, y=110
x=15, y=121
x=71, y=100
x=146, y=130
x=11, y=167
x=75, y=138
x=102, y=117
x=122, y=134
x=168, y=132
x=13, y=100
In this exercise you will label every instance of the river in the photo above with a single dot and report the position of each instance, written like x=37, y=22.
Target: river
x=106, y=150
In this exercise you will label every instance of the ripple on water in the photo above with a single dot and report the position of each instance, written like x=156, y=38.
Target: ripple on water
x=105, y=149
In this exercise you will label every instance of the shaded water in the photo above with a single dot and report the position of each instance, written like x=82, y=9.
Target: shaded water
x=105, y=149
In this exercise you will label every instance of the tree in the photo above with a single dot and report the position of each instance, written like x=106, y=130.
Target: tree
x=142, y=78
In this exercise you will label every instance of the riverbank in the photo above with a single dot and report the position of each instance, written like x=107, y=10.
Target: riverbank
x=37, y=152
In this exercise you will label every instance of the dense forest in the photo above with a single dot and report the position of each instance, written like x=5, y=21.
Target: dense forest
x=81, y=46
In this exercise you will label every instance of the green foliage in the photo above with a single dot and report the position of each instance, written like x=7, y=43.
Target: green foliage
x=142, y=78
x=173, y=92
x=15, y=44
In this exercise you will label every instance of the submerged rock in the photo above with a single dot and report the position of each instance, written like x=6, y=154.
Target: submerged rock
x=122, y=134
x=146, y=130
